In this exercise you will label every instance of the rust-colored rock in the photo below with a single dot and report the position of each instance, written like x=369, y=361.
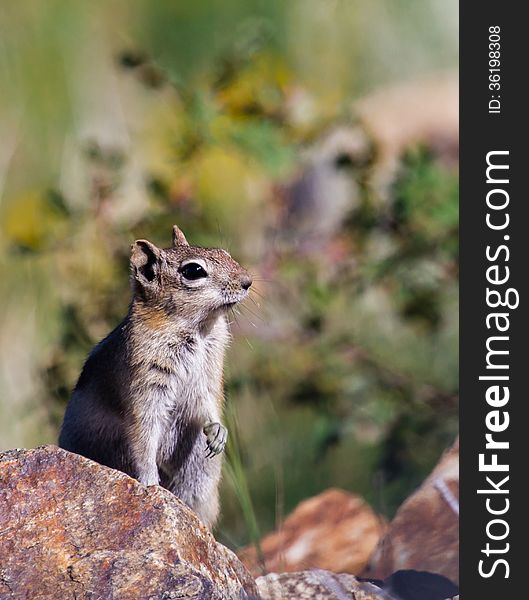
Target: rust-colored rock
x=70, y=528
x=334, y=530
x=424, y=534
x=317, y=584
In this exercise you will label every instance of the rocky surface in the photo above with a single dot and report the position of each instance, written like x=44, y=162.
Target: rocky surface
x=335, y=530
x=317, y=584
x=424, y=534
x=320, y=584
x=70, y=528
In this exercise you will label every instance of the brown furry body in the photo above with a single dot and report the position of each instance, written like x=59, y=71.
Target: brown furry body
x=149, y=399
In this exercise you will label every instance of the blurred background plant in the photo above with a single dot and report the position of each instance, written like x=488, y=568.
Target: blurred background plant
x=248, y=124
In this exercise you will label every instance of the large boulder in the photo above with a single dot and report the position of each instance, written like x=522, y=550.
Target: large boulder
x=70, y=528
x=424, y=534
x=335, y=530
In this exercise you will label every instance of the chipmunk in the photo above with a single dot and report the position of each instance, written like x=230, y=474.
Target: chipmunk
x=149, y=398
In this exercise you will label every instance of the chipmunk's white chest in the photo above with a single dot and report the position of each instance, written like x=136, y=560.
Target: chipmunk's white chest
x=192, y=386
x=198, y=381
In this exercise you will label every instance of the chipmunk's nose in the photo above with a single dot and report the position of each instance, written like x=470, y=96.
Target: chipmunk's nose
x=246, y=281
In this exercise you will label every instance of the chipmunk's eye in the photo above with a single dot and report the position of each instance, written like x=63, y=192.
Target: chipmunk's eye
x=193, y=271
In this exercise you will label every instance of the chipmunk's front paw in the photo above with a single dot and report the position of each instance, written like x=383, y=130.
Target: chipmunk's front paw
x=149, y=479
x=216, y=435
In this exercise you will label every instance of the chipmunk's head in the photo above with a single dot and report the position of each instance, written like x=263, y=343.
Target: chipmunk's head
x=187, y=281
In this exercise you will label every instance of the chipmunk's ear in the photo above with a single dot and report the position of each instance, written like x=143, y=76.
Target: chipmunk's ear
x=145, y=262
x=179, y=239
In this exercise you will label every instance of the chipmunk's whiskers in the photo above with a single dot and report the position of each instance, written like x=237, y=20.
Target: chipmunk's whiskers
x=256, y=304
x=245, y=307
x=231, y=310
x=235, y=312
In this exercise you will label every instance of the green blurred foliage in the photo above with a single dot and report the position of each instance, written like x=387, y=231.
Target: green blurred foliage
x=119, y=119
